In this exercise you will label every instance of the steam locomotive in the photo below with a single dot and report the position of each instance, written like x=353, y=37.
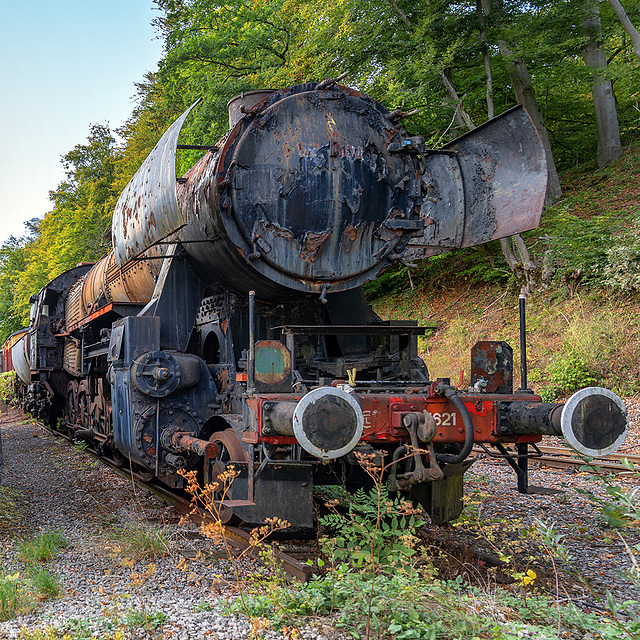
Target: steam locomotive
x=228, y=324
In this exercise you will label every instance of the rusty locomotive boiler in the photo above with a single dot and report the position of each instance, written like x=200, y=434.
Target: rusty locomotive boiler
x=228, y=324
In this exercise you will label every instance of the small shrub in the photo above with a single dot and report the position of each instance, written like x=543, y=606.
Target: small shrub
x=375, y=530
x=7, y=380
x=622, y=269
x=567, y=373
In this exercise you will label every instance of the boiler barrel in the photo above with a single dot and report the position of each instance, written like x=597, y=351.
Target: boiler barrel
x=302, y=195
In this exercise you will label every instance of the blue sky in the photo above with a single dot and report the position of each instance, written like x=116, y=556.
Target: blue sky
x=64, y=65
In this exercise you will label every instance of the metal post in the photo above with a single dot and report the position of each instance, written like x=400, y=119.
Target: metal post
x=523, y=346
x=251, y=357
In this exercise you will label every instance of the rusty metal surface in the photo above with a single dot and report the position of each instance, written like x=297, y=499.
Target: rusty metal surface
x=383, y=414
x=489, y=183
x=147, y=210
x=188, y=442
x=492, y=362
x=240, y=104
x=93, y=286
x=135, y=282
x=303, y=195
x=272, y=362
x=313, y=190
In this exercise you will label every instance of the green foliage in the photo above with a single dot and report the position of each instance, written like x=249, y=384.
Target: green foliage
x=620, y=506
x=404, y=605
x=12, y=264
x=567, y=373
x=144, y=541
x=7, y=380
x=621, y=271
x=376, y=530
x=20, y=592
x=477, y=266
x=142, y=619
x=394, y=279
x=45, y=582
x=15, y=597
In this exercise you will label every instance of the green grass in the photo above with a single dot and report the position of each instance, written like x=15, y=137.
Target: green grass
x=16, y=597
x=45, y=582
x=43, y=547
x=144, y=541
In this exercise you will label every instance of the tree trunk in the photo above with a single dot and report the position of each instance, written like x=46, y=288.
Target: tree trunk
x=486, y=59
x=517, y=255
x=632, y=32
x=526, y=96
x=604, y=104
x=461, y=115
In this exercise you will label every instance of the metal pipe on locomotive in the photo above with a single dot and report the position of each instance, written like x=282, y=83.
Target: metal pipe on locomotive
x=228, y=324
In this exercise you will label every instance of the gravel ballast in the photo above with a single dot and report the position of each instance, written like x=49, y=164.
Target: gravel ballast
x=53, y=485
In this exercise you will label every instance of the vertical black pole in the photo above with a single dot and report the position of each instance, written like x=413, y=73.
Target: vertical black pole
x=523, y=346
x=251, y=358
x=523, y=465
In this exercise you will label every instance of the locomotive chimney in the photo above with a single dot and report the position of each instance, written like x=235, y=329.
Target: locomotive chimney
x=242, y=103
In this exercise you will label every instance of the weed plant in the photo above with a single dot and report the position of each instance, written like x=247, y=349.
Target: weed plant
x=43, y=547
x=46, y=583
x=16, y=597
x=143, y=541
x=21, y=591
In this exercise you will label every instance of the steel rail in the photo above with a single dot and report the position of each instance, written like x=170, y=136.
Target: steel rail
x=564, y=457
x=237, y=538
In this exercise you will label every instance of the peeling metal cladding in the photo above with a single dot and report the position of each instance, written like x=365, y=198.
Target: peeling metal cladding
x=73, y=311
x=443, y=208
x=203, y=228
x=504, y=171
x=147, y=210
x=135, y=282
x=20, y=358
x=306, y=195
x=487, y=184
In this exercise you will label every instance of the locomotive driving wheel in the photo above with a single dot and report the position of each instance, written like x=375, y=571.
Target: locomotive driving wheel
x=71, y=404
x=230, y=451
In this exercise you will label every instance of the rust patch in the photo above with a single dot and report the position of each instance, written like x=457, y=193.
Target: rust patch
x=224, y=325
x=350, y=232
x=224, y=379
x=277, y=230
x=312, y=244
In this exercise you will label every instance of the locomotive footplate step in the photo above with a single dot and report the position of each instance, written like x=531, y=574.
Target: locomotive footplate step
x=238, y=503
x=543, y=491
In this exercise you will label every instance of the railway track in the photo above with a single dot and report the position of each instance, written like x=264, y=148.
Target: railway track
x=565, y=458
x=239, y=541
